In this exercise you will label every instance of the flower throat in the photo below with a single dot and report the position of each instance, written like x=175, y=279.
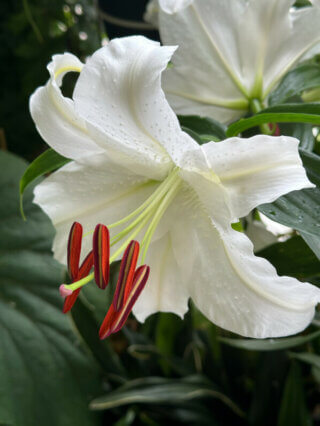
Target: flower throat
x=147, y=215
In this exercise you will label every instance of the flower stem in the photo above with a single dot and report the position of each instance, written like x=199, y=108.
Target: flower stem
x=257, y=106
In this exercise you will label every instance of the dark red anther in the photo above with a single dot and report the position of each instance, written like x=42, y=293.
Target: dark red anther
x=83, y=272
x=74, y=249
x=126, y=274
x=114, y=319
x=101, y=254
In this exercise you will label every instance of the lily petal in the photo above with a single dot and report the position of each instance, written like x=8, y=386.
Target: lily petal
x=257, y=170
x=166, y=291
x=207, y=35
x=235, y=289
x=54, y=114
x=119, y=95
x=242, y=49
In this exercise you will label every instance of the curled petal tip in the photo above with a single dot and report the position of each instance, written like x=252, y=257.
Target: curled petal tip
x=64, y=292
x=101, y=254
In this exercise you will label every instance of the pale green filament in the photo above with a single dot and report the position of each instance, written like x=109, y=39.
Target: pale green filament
x=157, y=217
x=151, y=210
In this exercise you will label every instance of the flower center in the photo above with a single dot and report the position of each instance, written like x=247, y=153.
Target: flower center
x=147, y=215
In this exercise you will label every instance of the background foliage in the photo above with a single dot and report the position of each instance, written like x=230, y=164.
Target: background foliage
x=53, y=368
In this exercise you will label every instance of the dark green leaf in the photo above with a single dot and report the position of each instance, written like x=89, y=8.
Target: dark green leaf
x=307, y=357
x=88, y=327
x=300, y=209
x=313, y=242
x=45, y=163
x=295, y=82
x=207, y=128
x=46, y=378
x=301, y=131
x=168, y=327
x=158, y=390
x=286, y=113
x=293, y=410
x=292, y=257
x=270, y=344
x=312, y=108
x=311, y=163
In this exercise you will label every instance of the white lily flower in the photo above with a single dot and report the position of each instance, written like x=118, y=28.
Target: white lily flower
x=232, y=51
x=129, y=150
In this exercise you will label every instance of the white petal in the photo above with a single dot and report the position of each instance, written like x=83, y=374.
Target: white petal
x=173, y=6
x=235, y=289
x=258, y=234
x=291, y=36
x=119, y=94
x=54, y=114
x=241, y=50
x=99, y=191
x=257, y=170
x=165, y=290
x=274, y=227
x=207, y=35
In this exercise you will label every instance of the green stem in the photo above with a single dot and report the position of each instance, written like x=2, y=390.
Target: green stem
x=257, y=106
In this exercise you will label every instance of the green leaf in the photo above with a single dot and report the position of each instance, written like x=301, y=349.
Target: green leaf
x=269, y=344
x=300, y=209
x=286, y=113
x=311, y=163
x=295, y=82
x=46, y=377
x=313, y=242
x=168, y=327
x=207, y=128
x=87, y=325
x=300, y=131
x=293, y=410
x=309, y=358
x=293, y=258
x=45, y=163
x=161, y=391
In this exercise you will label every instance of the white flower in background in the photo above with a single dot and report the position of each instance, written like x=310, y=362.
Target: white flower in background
x=152, y=13
x=232, y=51
x=265, y=231
x=129, y=151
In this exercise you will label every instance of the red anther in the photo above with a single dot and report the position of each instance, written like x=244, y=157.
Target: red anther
x=74, y=249
x=275, y=129
x=115, y=320
x=101, y=253
x=126, y=274
x=83, y=272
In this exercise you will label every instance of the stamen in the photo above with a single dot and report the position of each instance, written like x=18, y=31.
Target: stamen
x=101, y=254
x=83, y=271
x=140, y=280
x=74, y=249
x=157, y=217
x=115, y=320
x=126, y=274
